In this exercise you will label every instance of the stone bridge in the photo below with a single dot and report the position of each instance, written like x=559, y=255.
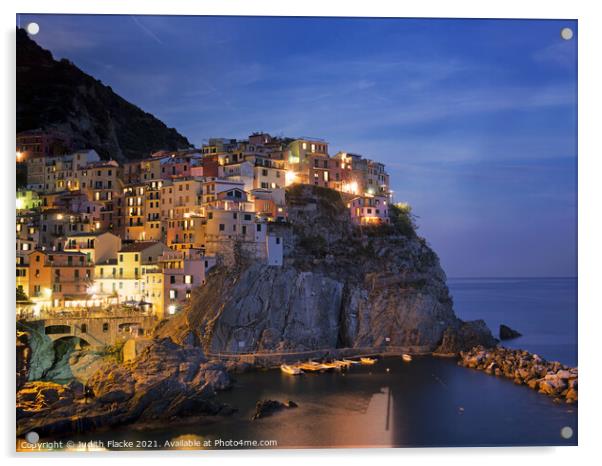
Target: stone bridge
x=95, y=329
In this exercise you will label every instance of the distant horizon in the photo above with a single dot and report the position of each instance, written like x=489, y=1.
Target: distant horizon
x=515, y=278
x=475, y=120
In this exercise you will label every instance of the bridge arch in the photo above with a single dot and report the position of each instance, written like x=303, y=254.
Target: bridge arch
x=71, y=338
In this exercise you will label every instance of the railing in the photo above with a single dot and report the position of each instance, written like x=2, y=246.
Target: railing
x=279, y=356
x=82, y=313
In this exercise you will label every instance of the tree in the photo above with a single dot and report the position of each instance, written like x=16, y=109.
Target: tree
x=21, y=296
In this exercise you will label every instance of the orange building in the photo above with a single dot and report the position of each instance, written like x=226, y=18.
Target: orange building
x=58, y=278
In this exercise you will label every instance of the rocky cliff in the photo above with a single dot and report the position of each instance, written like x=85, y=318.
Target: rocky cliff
x=341, y=286
x=166, y=381
x=57, y=95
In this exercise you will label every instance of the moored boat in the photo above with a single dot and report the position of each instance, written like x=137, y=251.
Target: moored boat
x=291, y=370
x=311, y=366
x=351, y=361
x=342, y=364
x=367, y=361
x=328, y=366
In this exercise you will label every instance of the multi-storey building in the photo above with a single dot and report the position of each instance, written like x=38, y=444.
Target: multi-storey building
x=58, y=279
x=369, y=209
x=97, y=246
x=170, y=284
x=124, y=278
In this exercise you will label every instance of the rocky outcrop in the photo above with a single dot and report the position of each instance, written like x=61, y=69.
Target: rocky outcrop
x=166, y=381
x=23, y=359
x=268, y=407
x=340, y=286
x=507, y=333
x=466, y=335
x=548, y=377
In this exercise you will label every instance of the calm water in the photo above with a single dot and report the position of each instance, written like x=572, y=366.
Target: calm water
x=544, y=310
x=428, y=402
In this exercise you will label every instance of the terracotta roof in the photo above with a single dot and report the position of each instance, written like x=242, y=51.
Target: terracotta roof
x=138, y=246
x=84, y=234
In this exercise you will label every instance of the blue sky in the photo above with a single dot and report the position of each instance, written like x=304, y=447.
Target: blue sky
x=475, y=119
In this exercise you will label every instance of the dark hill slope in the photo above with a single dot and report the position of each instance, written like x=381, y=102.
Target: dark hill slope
x=57, y=95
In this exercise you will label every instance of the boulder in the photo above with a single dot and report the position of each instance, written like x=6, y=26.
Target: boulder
x=268, y=407
x=466, y=335
x=507, y=333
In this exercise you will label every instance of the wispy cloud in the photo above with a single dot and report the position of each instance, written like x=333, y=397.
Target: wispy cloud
x=147, y=30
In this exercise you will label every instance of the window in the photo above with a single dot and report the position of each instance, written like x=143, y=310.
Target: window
x=105, y=327
x=172, y=279
x=188, y=279
x=222, y=227
x=84, y=328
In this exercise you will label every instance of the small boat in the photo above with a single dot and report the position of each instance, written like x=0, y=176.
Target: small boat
x=367, y=361
x=406, y=357
x=291, y=370
x=342, y=364
x=351, y=361
x=328, y=366
x=311, y=366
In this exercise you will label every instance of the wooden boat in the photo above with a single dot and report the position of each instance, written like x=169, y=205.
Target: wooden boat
x=406, y=357
x=367, y=361
x=291, y=370
x=351, y=361
x=311, y=366
x=328, y=366
x=342, y=364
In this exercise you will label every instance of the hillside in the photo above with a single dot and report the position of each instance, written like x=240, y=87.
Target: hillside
x=58, y=95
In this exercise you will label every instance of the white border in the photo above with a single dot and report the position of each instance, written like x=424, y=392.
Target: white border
x=590, y=234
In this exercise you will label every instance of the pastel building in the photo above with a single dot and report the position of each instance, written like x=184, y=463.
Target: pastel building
x=369, y=210
x=97, y=246
x=169, y=285
x=28, y=199
x=58, y=278
x=124, y=278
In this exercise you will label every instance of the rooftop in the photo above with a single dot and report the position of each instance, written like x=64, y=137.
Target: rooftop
x=138, y=246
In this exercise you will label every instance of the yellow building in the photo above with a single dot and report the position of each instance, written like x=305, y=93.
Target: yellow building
x=124, y=278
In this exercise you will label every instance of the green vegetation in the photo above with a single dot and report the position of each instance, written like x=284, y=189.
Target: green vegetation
x=21, y=296
x=402, y=222
x=314, y=245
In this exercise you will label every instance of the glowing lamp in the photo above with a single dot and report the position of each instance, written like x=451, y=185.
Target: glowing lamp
x=290, y=177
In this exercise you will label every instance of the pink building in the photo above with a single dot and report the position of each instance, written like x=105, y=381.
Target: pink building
x=369, y=210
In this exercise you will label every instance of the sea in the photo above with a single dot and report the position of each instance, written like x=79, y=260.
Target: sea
x=429, y=402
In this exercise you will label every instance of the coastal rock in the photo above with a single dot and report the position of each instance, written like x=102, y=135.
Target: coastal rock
x=466, y=335
x=507, y=333
x=268, y=407
x=165, y=381
x=550, y=378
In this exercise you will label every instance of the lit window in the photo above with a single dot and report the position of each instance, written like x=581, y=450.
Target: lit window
x=188, y=279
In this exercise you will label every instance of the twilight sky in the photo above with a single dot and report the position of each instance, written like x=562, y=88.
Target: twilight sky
x=476, y=120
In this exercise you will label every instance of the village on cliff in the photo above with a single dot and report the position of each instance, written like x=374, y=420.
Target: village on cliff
x=97, y=236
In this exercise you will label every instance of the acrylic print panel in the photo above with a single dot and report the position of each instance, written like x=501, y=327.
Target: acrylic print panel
x=229, y=237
